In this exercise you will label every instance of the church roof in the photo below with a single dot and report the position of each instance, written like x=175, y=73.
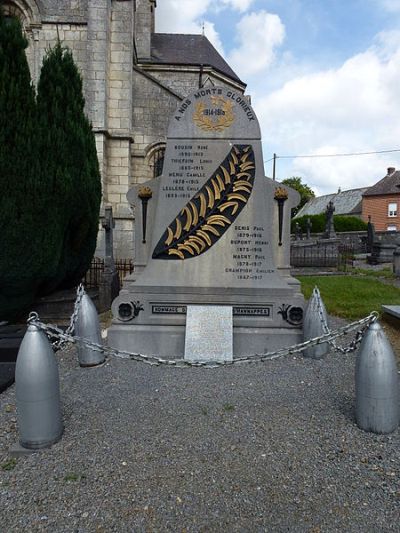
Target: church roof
x=185, y=49
x=345, y=202
x=390, y=184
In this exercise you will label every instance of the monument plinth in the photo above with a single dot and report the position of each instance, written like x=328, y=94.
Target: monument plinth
x=217, y=234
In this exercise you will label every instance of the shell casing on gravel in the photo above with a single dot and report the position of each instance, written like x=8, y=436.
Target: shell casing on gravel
x=377, y=384
x=88, y=327
x=313, y=326
x=37, y=392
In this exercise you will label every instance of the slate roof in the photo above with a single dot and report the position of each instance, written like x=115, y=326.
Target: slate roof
x=345, y=202
x=185, y=49
x=390, y=184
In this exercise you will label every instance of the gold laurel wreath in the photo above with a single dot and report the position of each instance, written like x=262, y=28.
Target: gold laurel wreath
x=207, y=123
x=212, y=210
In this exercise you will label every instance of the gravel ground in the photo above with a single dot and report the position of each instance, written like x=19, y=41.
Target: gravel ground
x=266, y=447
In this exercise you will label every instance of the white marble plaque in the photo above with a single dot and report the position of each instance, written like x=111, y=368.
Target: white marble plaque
x=209, y=333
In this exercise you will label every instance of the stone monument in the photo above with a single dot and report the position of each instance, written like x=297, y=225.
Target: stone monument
x=109, y=281
x=370, y=235
x=308, y=228
x=217, y=234
x=329, y=225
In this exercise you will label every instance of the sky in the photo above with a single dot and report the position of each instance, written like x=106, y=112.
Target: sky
x=323, y=76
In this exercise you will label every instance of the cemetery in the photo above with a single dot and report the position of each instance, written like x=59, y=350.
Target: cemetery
x=181, y=431
x=219, y=388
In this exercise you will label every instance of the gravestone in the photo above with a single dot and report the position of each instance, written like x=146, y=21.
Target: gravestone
x=218, y=234
x=308, y=228
x=109, y=281
x=370, y=235
x=329, y=224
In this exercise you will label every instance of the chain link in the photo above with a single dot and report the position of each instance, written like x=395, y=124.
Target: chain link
x=353, y=345
x=53, y=331
x=58, y=344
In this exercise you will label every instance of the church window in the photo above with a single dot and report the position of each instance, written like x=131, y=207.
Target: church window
x=157, y=161
x=11, y=12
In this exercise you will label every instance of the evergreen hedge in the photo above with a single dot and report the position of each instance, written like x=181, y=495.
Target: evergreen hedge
x=49, y=175
x=341, y=223
x=22, y=232
x=69, y=160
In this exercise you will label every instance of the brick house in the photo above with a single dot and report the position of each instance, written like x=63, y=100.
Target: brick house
x=381, y=202
x=133, y=77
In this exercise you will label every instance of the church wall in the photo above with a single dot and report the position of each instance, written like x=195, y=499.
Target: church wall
x=186, y=79
x=152, y=107
x=72, y=35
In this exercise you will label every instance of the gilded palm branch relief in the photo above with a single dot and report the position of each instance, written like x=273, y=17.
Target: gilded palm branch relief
x=212, y=210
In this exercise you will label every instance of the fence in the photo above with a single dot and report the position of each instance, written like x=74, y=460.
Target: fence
x=334, y=256
x=93, y=275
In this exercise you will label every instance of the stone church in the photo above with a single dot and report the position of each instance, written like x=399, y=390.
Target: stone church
x=133, y=80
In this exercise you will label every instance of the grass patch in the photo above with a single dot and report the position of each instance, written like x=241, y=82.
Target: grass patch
x=351, y=297
x=386, y=273
x=228, y=407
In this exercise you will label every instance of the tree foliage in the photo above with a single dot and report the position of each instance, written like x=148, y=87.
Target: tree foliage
x=306, y=193
x=21, y=203
x=49, y=176
x=69, y=158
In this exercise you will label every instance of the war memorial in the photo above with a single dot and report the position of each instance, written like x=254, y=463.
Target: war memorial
x=212, y=242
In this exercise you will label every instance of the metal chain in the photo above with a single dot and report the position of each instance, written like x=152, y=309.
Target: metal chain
x=353, y=345
x=54, y=331
x=80, y=291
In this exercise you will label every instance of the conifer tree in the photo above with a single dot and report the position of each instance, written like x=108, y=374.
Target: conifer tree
x=21, y=201
x=49, y=175
x=69, y=159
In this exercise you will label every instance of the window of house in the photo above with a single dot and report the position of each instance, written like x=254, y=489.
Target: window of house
x=392, y=227
x=392, y=210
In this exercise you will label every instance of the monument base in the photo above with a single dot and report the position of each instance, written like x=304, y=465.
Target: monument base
x=152, y=321
x=169, y=341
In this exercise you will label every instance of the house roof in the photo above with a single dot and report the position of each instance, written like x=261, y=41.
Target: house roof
x=185, y=49
x=345, y=203
x=390, y=184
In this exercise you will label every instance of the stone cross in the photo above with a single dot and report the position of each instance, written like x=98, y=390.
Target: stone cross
x=329, y=227
x=297, y=231
x=109, y=225
x=308, y=228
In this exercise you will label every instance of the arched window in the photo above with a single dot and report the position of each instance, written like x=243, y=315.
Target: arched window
x=27, y=12
x=156, y=160
x=11, y=12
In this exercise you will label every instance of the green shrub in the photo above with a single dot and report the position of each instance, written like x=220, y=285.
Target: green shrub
x=317, y=221
x=341, y=223
x=349, y=223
